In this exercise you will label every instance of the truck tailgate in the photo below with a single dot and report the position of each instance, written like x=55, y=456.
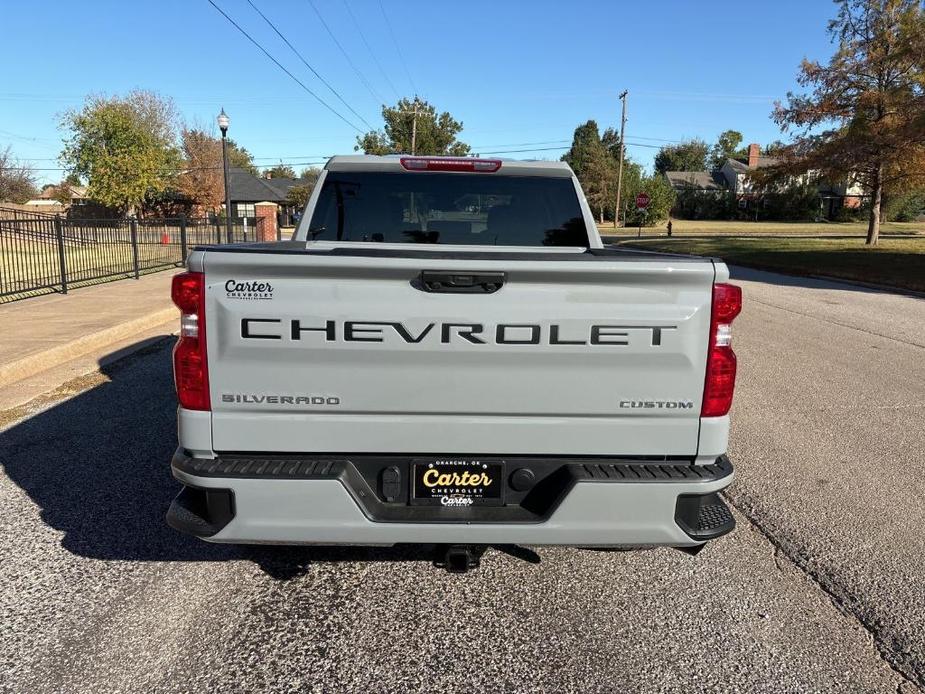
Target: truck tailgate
x=580, y=354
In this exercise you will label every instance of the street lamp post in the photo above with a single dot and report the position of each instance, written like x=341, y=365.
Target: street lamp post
x=223, y=122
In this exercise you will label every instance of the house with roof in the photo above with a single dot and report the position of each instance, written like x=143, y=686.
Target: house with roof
x=52, y=200
x=245, y=190
x=734, y=177
x=736, y=172
x=696, y=180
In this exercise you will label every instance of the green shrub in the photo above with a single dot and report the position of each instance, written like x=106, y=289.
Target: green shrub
x=852, y=214
x=661, y=198
x=906, y=207
x=705, y=204
x=797, y=203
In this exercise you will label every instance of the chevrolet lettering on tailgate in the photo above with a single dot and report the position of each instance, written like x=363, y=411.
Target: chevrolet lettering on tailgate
x=445, y=333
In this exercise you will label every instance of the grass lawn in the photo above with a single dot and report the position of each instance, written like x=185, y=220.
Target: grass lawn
x=684, y=227
x=894, y=262
x=26, y=267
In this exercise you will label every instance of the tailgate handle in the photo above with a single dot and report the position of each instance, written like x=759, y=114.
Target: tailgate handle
x=459, y=282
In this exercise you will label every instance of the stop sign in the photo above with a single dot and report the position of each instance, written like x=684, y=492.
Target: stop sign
x=642, y=201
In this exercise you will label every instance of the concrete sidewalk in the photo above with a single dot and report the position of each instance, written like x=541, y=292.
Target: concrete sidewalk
x=49, y=332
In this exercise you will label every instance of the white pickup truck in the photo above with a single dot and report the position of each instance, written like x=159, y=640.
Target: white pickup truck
x=446, y=353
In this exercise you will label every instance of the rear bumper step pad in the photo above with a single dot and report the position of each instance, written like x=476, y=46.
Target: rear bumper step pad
x=204, y=510
x=629, y=469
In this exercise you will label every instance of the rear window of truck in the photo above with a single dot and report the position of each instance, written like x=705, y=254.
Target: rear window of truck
x=448, y=208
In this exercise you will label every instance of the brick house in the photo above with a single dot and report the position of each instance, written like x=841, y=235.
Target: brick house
x=246, y=190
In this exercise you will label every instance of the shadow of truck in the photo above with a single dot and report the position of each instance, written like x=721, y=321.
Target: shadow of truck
x=98, y=467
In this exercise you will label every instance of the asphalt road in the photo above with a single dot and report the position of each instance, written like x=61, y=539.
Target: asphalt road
x=820, y=589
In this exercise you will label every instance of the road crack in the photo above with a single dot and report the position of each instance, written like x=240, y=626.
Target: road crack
x=838, y=323
x=787, y=556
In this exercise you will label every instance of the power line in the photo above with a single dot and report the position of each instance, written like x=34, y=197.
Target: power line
x=518, y=151
x=359, y=74
x=369, y=48
x=657, y=139
x=24, y=138
x=487, y=149
x=523, y=144
x=322, y=158
x=30, y=168
x=280, y=66
x=642, y=144
x=553, y=149
x=397, y=47
x=306, y=63
x=183, y=169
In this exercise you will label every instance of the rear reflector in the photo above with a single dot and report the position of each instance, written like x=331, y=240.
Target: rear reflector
x=190, y=364
x=721, y=360
x=450, y=164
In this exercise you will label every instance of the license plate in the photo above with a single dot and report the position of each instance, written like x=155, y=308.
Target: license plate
x=459, y=483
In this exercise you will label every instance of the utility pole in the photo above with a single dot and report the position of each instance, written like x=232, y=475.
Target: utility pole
x=414, y=126
x=616, y=211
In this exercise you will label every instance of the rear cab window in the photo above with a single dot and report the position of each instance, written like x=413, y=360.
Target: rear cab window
x=448, y=208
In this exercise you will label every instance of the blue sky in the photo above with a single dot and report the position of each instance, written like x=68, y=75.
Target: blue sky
x=520, y=75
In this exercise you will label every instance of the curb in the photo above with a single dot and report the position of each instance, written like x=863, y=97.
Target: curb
x=36, y=363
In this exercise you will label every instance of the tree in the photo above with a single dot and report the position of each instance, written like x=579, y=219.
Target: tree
x=202, y=179
x=594, y=158
x=687, y=156
x=611, y=140
x=864, y=115
x=124, y=147
x=661, y=199
x=435, y=134
x=726, y=147
x=62, y=193
x=281, y=171
x=594, y=166
x=17, y=180
x=298, y=195
x=310, y=173
x=906, y=207
x=240, y=158
x=774, y=149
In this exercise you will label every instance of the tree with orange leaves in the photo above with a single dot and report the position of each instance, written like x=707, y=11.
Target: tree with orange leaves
x=863, y=117
x=202, y=178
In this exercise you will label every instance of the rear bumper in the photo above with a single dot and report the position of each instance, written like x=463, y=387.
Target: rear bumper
x=342, y=500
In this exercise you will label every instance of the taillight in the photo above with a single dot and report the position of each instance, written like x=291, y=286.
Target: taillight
x=450, y=164
x=190, y=365
x=721, y=360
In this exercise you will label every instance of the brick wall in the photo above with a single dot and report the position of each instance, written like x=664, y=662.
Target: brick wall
x=266, y=221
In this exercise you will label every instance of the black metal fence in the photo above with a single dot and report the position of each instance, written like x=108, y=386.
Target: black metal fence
x=41, y=254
